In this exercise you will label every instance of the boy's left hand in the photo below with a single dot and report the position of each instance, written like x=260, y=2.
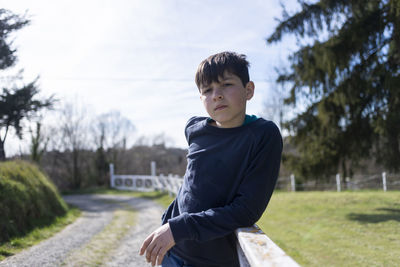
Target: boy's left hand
x=157, y=244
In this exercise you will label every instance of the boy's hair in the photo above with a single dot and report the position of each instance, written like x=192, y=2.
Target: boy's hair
x=213, y=68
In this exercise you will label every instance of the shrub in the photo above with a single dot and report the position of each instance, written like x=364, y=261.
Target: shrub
x=27, y=199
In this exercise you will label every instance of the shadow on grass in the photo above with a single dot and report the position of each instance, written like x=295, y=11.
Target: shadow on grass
x=92, y=190
x=391, y=214
x=5, y=253
x=152, y=195
x=33, y=224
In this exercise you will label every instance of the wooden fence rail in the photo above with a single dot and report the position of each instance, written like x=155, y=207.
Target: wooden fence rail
x=254, y=247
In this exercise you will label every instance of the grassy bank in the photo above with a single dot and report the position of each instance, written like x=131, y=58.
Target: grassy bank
x=336, y=229
x=31, y=208
x=27, y=199
x=39, y=233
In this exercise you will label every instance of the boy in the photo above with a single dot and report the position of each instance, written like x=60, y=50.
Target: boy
x=233, y=165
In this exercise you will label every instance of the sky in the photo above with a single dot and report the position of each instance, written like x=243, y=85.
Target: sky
x=139, y=57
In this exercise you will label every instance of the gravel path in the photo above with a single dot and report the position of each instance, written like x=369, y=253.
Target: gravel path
x=127, y=254
x=97, y=213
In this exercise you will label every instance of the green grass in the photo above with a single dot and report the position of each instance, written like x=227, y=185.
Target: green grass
x=47, y=229
x=336, y=229
x=161, y=198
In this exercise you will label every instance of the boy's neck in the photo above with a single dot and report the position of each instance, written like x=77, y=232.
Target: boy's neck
x=247, y=119
x=237, y=122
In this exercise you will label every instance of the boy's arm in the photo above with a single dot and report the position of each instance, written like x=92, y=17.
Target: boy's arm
x=248, y=205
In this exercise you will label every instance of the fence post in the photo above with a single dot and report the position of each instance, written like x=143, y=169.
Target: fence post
x=384, y=181
x=293, y=183
x=163, y=182
x=153, y=168
x=112, y=175
x=170, y=185
x=338, y=182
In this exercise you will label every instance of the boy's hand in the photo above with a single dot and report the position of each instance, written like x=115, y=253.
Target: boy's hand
x=157, y=244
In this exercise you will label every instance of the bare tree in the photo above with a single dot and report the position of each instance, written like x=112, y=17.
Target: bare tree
x=272, y=110
x=73, y=139
x=111, y=133
x=274, y=107
x=161, y=139
x=112, y=130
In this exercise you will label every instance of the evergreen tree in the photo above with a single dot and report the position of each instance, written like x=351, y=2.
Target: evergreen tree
x=16, y=103
x=346, y=77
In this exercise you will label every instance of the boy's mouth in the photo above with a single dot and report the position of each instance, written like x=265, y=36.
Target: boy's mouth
x=219, y=107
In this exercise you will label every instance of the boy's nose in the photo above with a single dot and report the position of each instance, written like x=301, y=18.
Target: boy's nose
x=218, y=95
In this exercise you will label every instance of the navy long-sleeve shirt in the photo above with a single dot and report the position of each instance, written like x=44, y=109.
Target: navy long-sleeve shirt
x=229, y=180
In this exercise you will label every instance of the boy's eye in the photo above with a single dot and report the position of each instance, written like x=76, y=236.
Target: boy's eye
x=227, y=84
x=207, y=90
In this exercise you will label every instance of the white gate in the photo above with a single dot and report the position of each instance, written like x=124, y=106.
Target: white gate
x=145, y=183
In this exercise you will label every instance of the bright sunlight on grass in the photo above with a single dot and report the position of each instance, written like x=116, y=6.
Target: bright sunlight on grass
x=336, y=229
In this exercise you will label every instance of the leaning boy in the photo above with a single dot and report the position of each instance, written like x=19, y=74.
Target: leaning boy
x=233, y=164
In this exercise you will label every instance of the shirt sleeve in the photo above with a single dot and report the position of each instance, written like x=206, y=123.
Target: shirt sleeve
x=248, y=204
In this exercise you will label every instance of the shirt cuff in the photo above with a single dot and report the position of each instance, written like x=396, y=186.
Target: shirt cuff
x=180, y=229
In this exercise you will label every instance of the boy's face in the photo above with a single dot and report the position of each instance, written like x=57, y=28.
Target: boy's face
x=225, y=100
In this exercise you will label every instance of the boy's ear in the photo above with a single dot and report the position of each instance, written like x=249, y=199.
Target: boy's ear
x=249, y=90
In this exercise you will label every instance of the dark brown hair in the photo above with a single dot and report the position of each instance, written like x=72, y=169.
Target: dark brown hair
x=213, y=68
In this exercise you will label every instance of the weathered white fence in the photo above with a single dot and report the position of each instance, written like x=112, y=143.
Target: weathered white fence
x=254, y=248
x=384, y=181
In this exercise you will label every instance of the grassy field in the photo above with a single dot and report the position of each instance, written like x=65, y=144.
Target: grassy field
x=336, y=229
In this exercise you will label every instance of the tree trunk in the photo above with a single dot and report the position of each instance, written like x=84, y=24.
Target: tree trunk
x=344, y=173
x=75, y=169
x=2, y=152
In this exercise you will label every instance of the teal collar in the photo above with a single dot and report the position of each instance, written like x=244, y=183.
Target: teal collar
x=247, y=119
